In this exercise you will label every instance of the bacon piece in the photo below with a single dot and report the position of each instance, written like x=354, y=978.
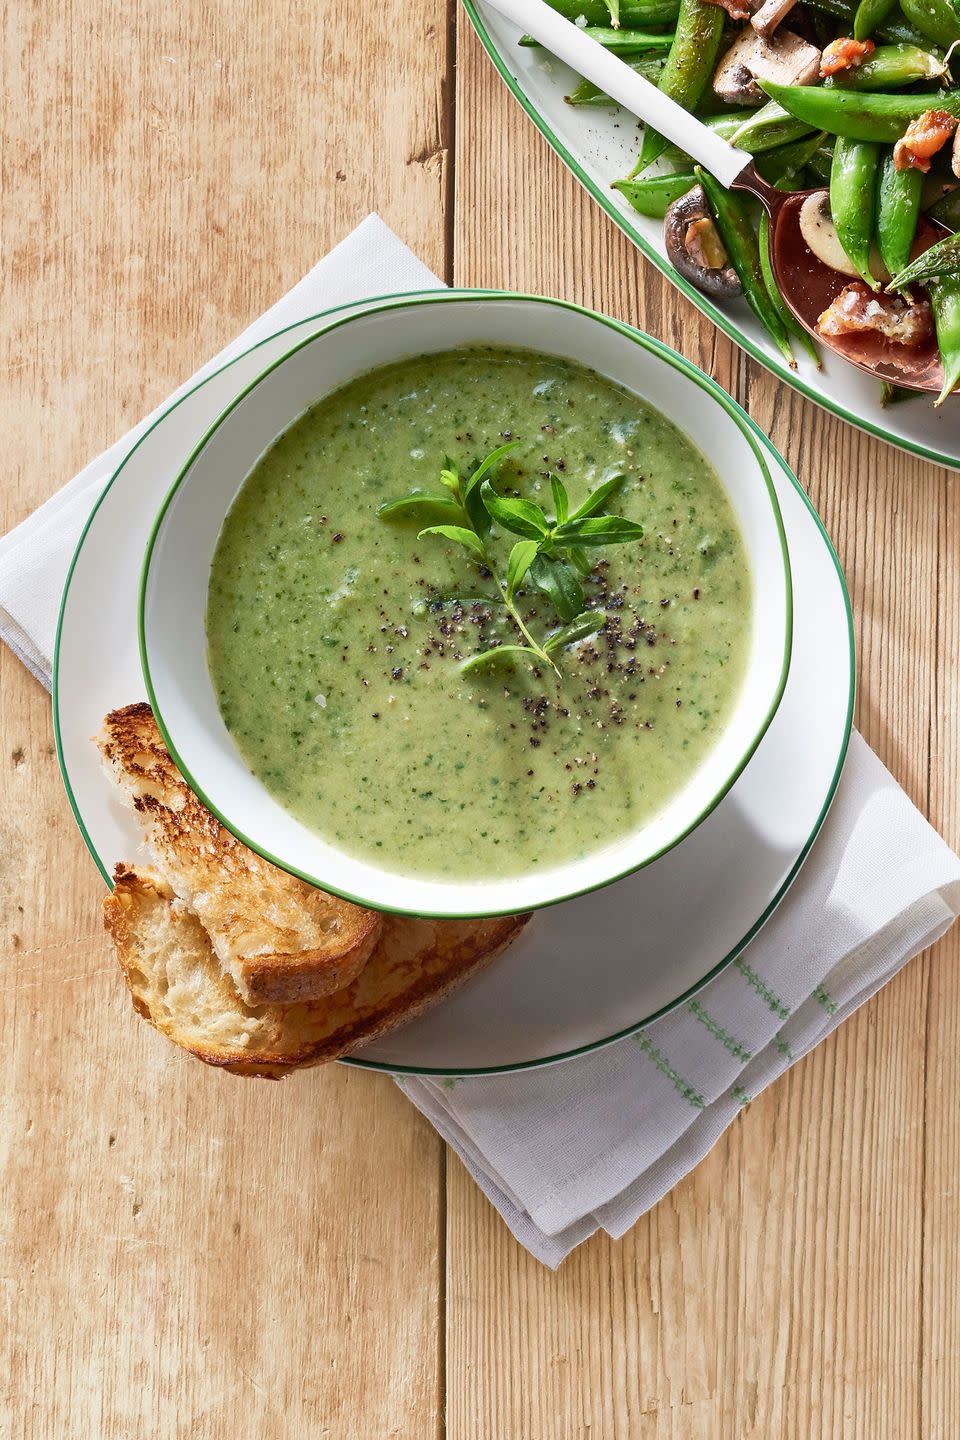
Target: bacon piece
x=844, y=53
x=922, y=139
x=858, y=311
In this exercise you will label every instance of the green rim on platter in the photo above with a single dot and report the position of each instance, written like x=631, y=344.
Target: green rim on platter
x=446, y=297
x=634, y=1026
x=719, y=318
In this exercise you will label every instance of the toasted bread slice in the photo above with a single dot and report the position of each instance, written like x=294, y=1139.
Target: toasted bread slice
x=178, y=984
x=279, y=939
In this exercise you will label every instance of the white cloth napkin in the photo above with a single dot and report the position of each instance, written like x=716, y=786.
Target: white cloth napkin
x=594, y=1142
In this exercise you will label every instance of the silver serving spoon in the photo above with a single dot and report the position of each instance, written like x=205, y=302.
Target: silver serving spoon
x=806, y=284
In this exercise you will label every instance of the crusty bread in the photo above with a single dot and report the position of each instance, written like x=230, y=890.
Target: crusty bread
x=279, y=939
x=179, y=986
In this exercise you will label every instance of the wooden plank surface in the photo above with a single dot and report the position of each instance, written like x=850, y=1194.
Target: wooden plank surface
x=803, y=1281
x=183, y=1254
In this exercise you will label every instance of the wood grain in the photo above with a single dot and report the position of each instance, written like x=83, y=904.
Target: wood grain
x=802, y=1282
x=182, y=1253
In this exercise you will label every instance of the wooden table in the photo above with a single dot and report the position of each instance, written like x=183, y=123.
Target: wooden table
x=185, y=1254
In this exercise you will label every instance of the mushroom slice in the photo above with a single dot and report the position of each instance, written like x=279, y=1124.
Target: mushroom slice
x=820, y=236
x=769, y=16
x=695, y=247
x=819, y=232
x=784, y=60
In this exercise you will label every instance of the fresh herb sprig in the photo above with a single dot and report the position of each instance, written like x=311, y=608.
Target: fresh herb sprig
x=550, y=554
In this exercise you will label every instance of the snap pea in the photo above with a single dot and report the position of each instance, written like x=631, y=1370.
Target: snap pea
x=768, y=127
x=898, y=210
x=621, y=42
x=937, y=19
x=788, y=319
x=894, y=394
x=820, y=162
x=857, y=115
x=725, y=126
x=890, y=67
x=655, y=195
x=586, y=93
x=784, y=166
x=634, y=14
x=894, y=27
x=945, y=304
x=688, y=70
x=947, y=209
x=870, y=13
x=938, y=263
x=853, y=183
x=740, y=242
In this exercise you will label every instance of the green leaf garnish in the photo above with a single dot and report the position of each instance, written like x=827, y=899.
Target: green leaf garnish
x=522, y=557
x=489, y=464
x=597, y=498
x=600, y=530
x=549, y=556
x=485, y=656
x=561, y=501
x=468, y=538
x=520, y=517
x=433, y=509
x=586, y=624
x=561, y=583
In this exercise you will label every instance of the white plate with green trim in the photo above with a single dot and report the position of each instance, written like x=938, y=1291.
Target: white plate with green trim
x=584, y=972
x=600, y=146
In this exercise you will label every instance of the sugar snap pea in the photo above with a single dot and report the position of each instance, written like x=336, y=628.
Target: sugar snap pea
x=894, y=27
x=740, y=242
x=634, y=14
x=768, y=127
x=898, y=210
x=784, y=166
x=859, y=115
x=621, y=42
x=947, y=209
x=894, y=394
x=870, y=13
x=586, y=93
x=937, y=19
x=790, y=323
x=945, y=304
x=940, y=262
x=725, y=126
x=853, y=183
x=655, y=195
x=688, y=70
x=889, y=68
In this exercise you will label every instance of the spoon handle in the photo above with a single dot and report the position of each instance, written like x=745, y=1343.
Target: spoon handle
x=568, y=42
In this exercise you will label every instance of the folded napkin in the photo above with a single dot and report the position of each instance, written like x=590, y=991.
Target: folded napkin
x=594, y=1142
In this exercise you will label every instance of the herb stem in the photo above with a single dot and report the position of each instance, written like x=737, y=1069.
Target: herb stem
x=515, y=613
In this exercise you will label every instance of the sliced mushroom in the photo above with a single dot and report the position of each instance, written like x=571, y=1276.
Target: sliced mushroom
x=769, y=16
x=696, y=249
x=786, y=60
x=820, y=235
x=955, y=153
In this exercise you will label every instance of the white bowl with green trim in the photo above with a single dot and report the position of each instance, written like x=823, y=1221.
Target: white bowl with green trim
x=176, y=569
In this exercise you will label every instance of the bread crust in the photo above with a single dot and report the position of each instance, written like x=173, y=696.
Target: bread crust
x=282, y=940
x=164, y=950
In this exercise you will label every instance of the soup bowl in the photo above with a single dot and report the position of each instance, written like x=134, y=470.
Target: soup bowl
x=178, y=558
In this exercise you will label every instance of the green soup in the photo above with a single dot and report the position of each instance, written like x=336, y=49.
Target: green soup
x=336, y=636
